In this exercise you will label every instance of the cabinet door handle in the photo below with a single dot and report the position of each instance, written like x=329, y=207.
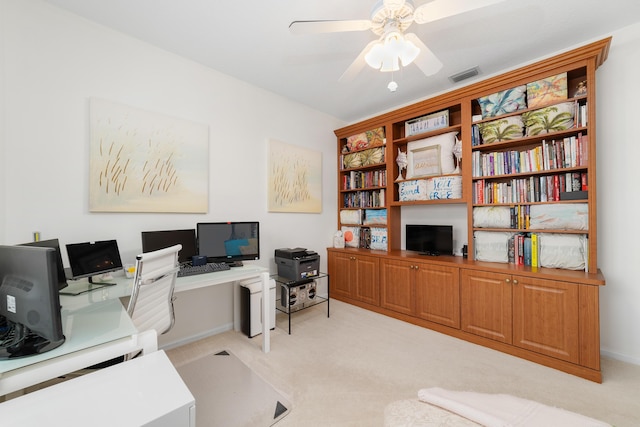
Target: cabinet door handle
x=416, y=267
x=507, y=280
x=515, y=281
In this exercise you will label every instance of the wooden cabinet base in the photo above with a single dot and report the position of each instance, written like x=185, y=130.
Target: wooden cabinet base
x=570, y=368
x=549, y=317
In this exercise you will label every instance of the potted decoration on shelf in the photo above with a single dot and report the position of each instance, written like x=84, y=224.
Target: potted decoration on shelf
x=401, y=160
x=457, y=151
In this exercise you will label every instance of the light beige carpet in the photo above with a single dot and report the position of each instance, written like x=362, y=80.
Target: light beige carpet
x=344, y=370
x=229, y=394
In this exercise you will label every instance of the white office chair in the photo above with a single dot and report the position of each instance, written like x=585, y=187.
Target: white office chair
x=151, y=303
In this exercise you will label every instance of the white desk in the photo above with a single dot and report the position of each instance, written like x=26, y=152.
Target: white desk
x=97, y=328
x=94, y=333
x=235, y=275
x=143, y=391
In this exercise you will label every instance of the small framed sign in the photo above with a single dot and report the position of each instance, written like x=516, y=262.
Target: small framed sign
x=424, y=161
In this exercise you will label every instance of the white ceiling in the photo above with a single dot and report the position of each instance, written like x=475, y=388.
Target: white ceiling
x=250, y=40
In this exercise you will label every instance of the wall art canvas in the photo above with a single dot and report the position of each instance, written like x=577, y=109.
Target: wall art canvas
x=142, y=161
x=295, y=178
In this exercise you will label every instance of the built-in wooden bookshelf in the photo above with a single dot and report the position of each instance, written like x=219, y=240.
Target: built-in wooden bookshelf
x=520, y=297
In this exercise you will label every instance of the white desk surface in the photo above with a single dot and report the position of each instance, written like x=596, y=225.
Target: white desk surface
x=123, y=285
x=143, y=391
x=83, y=327
x=97, y=327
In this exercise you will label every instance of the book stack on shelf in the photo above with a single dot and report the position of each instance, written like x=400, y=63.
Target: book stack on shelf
x=364, y=179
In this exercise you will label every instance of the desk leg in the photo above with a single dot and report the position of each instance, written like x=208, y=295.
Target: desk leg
x=266, y=319
x=148, y=341
x=328, y=294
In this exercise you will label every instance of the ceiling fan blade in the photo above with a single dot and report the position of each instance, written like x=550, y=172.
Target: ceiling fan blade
x=316, y=27
x=427, y=61
x=439, y=9
x=357, y=65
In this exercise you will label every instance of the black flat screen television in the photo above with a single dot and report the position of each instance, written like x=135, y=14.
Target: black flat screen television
x=55, y=244
x=229, y=242
x=155, y=240
x=429, y=239
x=90, y=259
x=29, y=301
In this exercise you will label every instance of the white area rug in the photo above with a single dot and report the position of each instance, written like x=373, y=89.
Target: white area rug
x=229, y=394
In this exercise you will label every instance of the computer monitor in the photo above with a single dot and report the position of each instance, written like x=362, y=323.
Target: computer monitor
x=229, y=242
x=90, y=259
x=154, y=240
x=29, y=301
x=55, y=244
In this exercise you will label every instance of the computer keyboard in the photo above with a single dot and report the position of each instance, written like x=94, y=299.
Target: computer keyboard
x=211, y=267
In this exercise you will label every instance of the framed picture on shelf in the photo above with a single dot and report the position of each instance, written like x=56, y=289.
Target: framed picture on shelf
x=424, y=160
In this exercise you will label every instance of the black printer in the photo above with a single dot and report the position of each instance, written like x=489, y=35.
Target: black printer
x=297, y=263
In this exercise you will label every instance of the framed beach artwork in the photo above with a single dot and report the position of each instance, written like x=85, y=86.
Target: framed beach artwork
x=294, y=178
x=140, y=161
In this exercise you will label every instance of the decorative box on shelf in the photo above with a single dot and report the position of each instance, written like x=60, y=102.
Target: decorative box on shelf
x=427, y=123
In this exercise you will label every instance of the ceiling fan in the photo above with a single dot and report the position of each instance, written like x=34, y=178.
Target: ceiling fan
x=389, y=20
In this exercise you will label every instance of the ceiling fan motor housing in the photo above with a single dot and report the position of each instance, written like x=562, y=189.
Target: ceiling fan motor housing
x=382, y=16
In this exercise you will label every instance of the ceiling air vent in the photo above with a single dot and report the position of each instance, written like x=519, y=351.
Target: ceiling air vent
x=466, y=74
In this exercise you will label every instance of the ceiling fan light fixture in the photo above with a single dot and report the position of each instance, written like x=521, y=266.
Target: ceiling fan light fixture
x=409, y=52
x=395, y=49
x=375, y=56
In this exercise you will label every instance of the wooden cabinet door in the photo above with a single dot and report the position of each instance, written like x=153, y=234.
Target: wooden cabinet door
x=485, y=300
x=546, y=317
x=437, y=294
x=396, y=289
x=342, y=279
x=365, y=270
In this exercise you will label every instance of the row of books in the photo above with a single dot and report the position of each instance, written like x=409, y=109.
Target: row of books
x=548, y=188
x=359, y=179
x=523, y=249
x=364, y=199
x=568, y=152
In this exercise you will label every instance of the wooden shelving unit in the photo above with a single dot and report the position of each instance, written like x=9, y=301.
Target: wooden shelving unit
x=455, y=295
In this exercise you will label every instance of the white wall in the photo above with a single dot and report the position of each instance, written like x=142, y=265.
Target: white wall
x=618, y=100
x=55, y=61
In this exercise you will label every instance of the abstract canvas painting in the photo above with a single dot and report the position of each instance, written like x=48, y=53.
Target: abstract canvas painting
x=295, y=179
x=142, y=161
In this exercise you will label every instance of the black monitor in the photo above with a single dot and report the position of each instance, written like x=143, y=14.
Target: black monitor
x=29, y=301
x=229, y=242
x=53, y=243
x=155, y=240
x=90, y=259
x=429, y=239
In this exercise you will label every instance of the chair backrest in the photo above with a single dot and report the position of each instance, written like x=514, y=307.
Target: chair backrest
x=151, y=303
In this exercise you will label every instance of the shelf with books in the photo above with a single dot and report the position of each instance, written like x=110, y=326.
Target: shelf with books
x=362, y=187
x=531, y=162
x=517, y=172
x=571, y=185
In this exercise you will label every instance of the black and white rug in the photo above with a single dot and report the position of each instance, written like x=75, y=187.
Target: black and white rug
x=229, y=394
